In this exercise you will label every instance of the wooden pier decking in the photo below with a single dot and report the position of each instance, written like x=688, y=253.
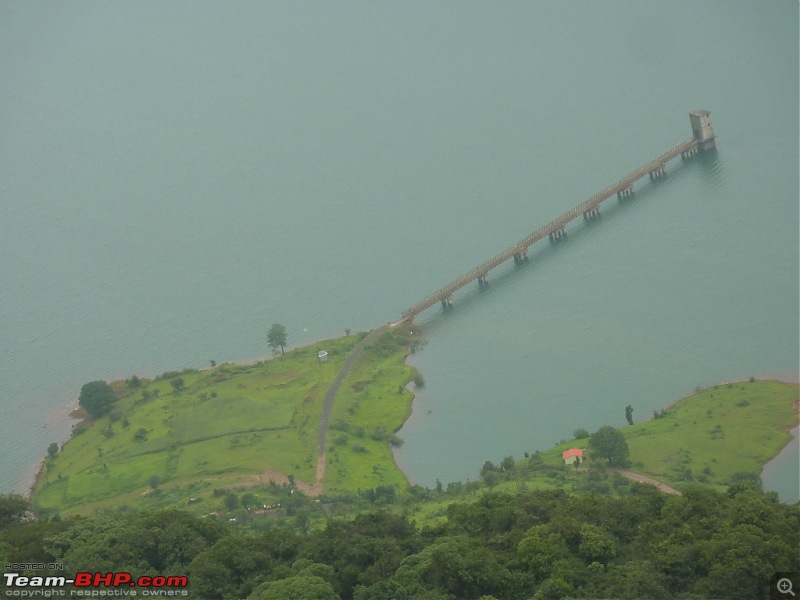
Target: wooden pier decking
x=703, y=140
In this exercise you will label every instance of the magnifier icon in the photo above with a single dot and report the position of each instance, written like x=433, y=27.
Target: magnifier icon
x=785, y=586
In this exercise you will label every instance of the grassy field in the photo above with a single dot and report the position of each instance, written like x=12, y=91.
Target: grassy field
x=710, y=436
x=716, y=433
x=236, y=427
x=372, y=404
x=226, y=426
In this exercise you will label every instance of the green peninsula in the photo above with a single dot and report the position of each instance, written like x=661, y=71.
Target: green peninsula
x=249, y=436
x=185, y=436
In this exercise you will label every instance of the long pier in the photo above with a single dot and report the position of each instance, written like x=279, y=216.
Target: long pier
x=703, y=139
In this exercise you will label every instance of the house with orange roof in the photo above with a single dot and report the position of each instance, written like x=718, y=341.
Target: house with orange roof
x=572, y=455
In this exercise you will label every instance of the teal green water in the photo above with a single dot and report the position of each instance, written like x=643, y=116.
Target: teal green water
x=175, y=177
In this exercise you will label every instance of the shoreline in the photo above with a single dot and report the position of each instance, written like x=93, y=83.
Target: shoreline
x=72, y=412
x=72, y=415
x=33, y=475
x=731, y=382
x=792, y=437
x=788, y=429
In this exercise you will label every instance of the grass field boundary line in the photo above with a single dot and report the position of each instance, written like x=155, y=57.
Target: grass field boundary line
x=177, y=445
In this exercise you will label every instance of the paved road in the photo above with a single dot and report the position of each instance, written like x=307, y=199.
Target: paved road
x=322, y=434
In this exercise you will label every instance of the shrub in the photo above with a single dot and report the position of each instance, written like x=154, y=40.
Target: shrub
x=580, y=433
x=79, y=428
x=231, y=501
x=96, y=398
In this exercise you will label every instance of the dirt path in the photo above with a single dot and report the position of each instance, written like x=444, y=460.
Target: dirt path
x=643, y=479
x=276, y=476
x=663, y=487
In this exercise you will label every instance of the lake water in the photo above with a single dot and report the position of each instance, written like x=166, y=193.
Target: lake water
x=175, y=177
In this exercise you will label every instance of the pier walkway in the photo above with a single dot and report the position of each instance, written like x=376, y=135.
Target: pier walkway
x=590, y=209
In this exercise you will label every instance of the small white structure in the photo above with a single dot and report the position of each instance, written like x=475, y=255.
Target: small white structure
x=322, y=356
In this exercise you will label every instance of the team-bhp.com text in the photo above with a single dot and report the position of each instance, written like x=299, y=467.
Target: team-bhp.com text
x=95, y=584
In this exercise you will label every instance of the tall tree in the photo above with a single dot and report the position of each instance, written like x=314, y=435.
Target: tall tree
x=96, y=398
x=609, y=443
x=629, y=414
x=13, y=508
x=276, y=337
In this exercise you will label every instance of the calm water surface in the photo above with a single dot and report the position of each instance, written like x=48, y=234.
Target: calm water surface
x=175, y=177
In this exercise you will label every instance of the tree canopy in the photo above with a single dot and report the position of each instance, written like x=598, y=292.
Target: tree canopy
x=609, y=443
x=13, y=507
x=304, y=587
x=96, y=398
x=528, y=544
x=276, y=337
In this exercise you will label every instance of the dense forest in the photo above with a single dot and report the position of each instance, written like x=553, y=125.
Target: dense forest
x=522, y=544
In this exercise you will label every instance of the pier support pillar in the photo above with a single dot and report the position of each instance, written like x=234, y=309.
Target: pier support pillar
x=687, y=154
x=625, y=193
x=558, y=235
x=447, y=303
x=658, y=172
x=483, y=281
x=592, y=213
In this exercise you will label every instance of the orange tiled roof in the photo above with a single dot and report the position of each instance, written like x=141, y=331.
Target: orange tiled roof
x=572, y=452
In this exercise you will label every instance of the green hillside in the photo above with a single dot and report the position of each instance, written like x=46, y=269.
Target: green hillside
x=164, y=443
